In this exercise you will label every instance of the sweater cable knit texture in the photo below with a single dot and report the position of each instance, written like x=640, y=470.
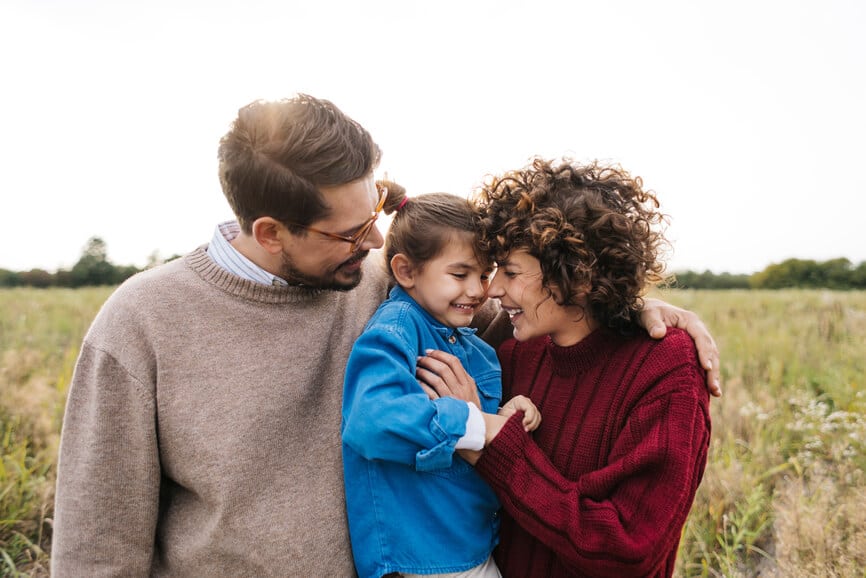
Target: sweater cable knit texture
x=604, y=486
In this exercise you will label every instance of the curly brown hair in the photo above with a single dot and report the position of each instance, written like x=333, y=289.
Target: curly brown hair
x=593, y=228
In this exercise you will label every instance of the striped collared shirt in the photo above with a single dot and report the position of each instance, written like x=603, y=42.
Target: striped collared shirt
x=230, y=259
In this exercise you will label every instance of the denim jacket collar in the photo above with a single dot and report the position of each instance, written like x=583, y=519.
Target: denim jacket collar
x=399, y=294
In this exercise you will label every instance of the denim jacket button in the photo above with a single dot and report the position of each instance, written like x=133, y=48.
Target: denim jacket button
x=452, y=340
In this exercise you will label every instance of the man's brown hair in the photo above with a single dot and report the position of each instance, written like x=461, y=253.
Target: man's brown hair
x=277, y=154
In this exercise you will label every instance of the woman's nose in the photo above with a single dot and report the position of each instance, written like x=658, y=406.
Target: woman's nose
x=495, y=288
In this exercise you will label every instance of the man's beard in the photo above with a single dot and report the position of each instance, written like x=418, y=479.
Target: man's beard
x=328, y=282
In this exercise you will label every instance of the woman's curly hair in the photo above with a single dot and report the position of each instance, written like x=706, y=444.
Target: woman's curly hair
x=592, y=227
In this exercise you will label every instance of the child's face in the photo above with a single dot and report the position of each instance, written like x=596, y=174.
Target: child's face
x=453, y=285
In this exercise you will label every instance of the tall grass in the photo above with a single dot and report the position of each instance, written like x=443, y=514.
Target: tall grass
x=782, y=494
x=40, y=333
x=784, y=489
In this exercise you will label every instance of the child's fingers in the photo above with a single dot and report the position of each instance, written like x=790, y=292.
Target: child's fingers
x=532, y=420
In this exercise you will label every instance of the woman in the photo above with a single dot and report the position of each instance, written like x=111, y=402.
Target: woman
x=604, y=486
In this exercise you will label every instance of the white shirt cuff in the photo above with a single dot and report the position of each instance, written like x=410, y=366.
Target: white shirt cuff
x=473, y=439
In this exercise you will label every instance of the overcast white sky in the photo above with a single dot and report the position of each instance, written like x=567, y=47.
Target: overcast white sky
x=747, y=117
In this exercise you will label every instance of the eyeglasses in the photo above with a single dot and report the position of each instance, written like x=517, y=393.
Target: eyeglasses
x=358, y=238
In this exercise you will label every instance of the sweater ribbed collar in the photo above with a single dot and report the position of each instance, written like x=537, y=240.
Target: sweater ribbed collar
x=576, y=359
x=209, y=271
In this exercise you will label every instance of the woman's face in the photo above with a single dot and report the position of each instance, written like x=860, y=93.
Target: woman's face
x=531, y=306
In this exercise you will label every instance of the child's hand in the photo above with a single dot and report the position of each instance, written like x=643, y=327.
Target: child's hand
x=531, y=415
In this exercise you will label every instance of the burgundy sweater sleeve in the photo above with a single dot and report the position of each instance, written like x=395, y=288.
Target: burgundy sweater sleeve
x=623, y=518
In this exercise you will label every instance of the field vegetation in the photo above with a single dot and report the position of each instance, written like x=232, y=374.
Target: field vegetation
x=783, y=493
x=40, y=333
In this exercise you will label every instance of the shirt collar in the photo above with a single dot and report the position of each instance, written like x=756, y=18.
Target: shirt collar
x=226, y=256
x=399, y=294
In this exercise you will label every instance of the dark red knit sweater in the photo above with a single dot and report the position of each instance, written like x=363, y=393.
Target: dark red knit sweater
x=604, y=486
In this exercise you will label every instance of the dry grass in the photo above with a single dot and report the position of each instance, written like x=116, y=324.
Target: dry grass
x=40, y=333
x=782, y=494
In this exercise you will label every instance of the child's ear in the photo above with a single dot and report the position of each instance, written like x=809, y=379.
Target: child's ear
x=404, y=271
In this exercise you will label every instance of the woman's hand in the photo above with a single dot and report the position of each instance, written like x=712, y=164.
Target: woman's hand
x=658, y=315
x=441, y=374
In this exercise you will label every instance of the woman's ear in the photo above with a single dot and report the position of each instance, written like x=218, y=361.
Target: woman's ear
x=404, y=271
x=556, y=293
x=579, y=295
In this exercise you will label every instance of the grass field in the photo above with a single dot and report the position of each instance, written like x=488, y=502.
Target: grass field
x=783, y=493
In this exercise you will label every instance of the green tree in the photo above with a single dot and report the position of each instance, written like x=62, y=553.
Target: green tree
x=808, y=274
x=788, y=273
x=858, y=276
x=37, y=278
x=709, y=280
x=9, y=278
x=836, y=273
x=93, y=268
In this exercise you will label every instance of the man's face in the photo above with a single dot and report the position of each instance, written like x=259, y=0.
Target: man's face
x=321, y=261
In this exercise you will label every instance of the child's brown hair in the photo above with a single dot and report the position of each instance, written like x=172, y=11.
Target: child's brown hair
x=423, y=224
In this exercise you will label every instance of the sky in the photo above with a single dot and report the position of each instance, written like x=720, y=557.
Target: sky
x=747, y=118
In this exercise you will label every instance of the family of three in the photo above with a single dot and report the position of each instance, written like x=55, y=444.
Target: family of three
x=215, y=403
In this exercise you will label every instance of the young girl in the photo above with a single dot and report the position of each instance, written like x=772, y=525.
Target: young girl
x=414, y=506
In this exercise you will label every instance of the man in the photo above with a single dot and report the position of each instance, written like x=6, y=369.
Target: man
x=201, y=435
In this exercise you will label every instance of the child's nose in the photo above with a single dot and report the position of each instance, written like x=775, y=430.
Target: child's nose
x=476, y=289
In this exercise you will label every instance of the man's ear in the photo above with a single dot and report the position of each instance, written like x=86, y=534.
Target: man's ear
x=267, y=232
x=404, y=270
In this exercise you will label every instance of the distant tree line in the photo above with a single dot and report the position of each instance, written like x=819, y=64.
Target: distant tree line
x=803, y=273
x=94, y=268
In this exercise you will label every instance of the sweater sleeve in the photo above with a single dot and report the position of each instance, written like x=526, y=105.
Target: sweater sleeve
x=386, y=414
x=623, y=518
x=108, y=475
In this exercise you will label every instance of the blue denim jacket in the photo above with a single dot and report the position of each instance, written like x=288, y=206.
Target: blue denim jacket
x=413, y=504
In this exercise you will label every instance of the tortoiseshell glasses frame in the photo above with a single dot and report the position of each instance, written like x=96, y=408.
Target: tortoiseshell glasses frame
x=358, y=238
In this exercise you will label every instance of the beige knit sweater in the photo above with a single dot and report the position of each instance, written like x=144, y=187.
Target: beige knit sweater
x=201, y=435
